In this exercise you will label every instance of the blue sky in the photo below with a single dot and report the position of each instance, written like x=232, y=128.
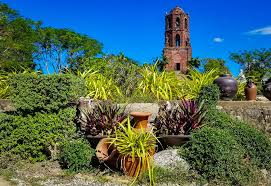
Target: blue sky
x=136, y=27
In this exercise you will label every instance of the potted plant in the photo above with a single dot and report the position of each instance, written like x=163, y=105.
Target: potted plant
x=136, y=148
x=102, y=120
x=176, y=120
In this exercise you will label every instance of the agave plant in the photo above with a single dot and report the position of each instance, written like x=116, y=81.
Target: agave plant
x=136, y=147
x=163, y=85
x=192, y=83
x=103, y=118
x=99, y=87
x=180, y=117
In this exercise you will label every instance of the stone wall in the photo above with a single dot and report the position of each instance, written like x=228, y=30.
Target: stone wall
x=258, y=113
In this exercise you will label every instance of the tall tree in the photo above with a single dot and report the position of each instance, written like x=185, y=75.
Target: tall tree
x=59, y=49
x=256, y=63
x=17, y=37
x=218, y=64
x=194, y=63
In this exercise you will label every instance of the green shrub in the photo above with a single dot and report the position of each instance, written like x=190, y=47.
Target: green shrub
x=44, y=93
x=256, y=144
x=33, y=137
x=215, y=154
x=76, y=155
x=210, y=95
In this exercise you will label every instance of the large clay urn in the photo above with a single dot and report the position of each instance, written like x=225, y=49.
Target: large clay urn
x=141, y=119
x=250, y=91
x=228, y=86
x=267, y=89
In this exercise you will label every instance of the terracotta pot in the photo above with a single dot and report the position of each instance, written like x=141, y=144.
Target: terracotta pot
x=133, y=167
x=250, y=91
x=267, y=89
x=107, y=153
x=94, y=140
x=228, y=87
x=141, y=118
x=174, y=140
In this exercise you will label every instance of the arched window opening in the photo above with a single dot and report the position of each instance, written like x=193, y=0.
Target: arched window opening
x=177, y=22
x=178, y=67
x=178, y=40
x=185, y=23
x=168, y=23
x=186, y=43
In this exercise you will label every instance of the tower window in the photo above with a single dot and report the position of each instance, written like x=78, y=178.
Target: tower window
x=178, y=67
x=186, y=43
x=178, y=40
x=168, y=23
x=185, y=23
x=177, y=22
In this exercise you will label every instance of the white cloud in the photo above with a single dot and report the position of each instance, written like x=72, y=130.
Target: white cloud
x=260, y=31
x=218, y=40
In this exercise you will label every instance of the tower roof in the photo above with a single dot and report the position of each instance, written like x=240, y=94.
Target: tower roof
x=177, y=10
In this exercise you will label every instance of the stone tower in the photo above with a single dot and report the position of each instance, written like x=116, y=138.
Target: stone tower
x=177, y=49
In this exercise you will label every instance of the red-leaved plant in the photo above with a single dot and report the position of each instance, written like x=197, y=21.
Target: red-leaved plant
x=179, y=117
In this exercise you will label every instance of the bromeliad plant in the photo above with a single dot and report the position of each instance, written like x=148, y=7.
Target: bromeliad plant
x=103, y=118
x=136, y=148
x=180, y=117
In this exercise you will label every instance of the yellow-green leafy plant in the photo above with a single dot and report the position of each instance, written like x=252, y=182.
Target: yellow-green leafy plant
x=100, y=87
x=162, y=85
x=136, y=145
x=192, y=83
x=240, y=95
x=4, y=86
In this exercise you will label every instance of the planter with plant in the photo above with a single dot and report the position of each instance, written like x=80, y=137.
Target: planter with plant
x=101, y=121
x=136, y=148
x=175, y=121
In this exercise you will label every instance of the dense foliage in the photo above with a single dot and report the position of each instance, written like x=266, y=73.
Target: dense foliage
x=76, y=155
x=256, y=144
x=215, y=154
x=256, y=63
x=35, y=137
x=209, y=94
x=44, y=93
x=17, y=37
x=217, y=64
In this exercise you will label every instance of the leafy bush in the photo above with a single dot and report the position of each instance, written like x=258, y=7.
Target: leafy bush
x=44, y=93
x=33, y=137
x=103, y=118
x=192, y=83
x=162, y=85
x=210, y=95
x=76, y=155
x=215, y=154
x=100, y=87
x=179, y=117
x=256, y=144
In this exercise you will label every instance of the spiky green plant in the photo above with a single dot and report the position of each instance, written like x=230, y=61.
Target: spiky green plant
x=4, y=86
x=136, y=144
x=192, y=83
x=162, y=85
x=100, y=87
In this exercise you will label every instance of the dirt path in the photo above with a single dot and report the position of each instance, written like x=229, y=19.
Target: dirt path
x=4, y=182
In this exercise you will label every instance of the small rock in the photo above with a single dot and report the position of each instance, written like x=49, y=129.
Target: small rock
x=170, y=159
x=261, y=98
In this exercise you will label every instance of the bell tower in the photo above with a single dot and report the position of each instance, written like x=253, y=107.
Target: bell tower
x=177, y=48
